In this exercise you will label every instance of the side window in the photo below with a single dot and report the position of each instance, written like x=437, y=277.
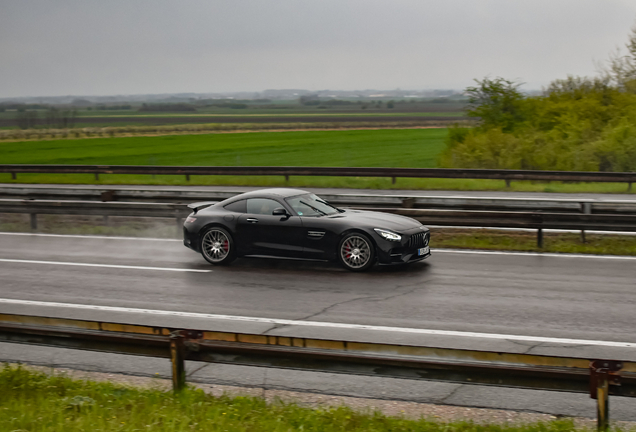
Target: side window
x=236, y=206
x=262, y=206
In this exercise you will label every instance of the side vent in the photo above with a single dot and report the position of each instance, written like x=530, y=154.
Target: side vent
x=316, y=234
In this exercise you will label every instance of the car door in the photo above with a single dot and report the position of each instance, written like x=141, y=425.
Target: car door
x=262, y=233
x=321, y=235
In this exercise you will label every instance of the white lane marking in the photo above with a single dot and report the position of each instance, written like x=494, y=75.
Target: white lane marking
x=534, y=254
x=90, y=236
x=286, y=322
x=103, y=265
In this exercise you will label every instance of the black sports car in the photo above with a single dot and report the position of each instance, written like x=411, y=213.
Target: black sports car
x=297, y=224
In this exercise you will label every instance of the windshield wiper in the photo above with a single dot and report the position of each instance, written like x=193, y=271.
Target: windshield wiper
x=317, y=210
x=332, y=206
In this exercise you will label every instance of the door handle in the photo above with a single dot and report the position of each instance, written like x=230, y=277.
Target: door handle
x=252, y=220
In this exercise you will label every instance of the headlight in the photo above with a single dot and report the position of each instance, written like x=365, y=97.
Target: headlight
x=389, y=235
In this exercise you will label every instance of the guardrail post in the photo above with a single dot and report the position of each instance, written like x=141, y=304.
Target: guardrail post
x=34, y=221
x=187, y=177
x=602, y=374
x=286, y=178
x=392, y=180
x=587, y=209
x=408, y=202
x=96, y=176
x=507, y=183
x=14, y=176
x=540, y=238
x=629, y=187
x=177, y=356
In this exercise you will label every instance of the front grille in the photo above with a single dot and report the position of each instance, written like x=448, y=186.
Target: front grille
x=418, y=240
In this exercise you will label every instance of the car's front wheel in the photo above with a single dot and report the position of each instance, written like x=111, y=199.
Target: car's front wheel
x=356, y=252
x=217, y=246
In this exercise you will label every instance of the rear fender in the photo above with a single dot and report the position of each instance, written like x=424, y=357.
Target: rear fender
x=220, y=225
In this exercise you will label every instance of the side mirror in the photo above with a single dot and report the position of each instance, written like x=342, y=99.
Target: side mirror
x=280, y=212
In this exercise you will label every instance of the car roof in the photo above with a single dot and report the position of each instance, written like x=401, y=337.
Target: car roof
x=281, y=192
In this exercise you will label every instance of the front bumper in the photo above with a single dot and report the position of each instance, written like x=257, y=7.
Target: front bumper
x=406, y=250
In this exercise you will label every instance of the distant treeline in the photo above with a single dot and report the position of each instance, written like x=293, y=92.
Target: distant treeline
x=166, y=107
x=53, y=118
x=21, y=107
x=111, y=107
x=578, y=124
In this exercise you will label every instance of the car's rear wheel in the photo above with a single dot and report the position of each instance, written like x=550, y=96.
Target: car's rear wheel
x=356, y=252
x=217, y=246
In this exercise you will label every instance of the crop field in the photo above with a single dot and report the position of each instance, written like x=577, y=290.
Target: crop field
x=284, y=112
x=357, y=148
x=394, y=148
x=140, y=119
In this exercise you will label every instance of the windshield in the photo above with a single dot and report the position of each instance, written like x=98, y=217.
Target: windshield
x=310, y=205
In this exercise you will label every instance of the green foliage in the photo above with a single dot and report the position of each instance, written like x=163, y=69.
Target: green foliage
x=578, y=124
x=497, y=102
x=616, y=149
x=622, y=68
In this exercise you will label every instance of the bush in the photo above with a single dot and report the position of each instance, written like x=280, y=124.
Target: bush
x=578, y=124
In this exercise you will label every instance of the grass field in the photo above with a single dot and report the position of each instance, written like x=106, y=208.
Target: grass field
x=393, y=148
x=415, y=148
x=35, y=401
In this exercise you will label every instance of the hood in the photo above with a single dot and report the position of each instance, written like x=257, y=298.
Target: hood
x=372, y=219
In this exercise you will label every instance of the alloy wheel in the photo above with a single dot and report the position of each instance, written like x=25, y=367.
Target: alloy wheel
x=216, y=245
x=355, y=252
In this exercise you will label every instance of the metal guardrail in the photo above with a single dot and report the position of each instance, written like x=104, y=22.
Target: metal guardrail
x=538, y=220
x=599, y=377
x=393, y=173
x=189, y=195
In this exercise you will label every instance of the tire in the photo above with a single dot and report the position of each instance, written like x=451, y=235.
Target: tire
x=356, y=252
x=217, y=246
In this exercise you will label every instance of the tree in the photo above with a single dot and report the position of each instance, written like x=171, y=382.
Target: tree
x=622, y=68
x=497, y=102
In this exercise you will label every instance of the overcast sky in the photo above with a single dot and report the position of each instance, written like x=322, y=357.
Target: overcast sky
x=108, y=47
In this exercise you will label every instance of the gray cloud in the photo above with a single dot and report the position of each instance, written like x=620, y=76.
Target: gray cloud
x=159, y=46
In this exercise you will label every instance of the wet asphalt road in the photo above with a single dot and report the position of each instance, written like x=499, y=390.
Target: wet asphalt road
x=590, y=298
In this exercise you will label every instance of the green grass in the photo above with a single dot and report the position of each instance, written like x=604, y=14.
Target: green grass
x=598, y=244
x=394, y=148
x=34, y=401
